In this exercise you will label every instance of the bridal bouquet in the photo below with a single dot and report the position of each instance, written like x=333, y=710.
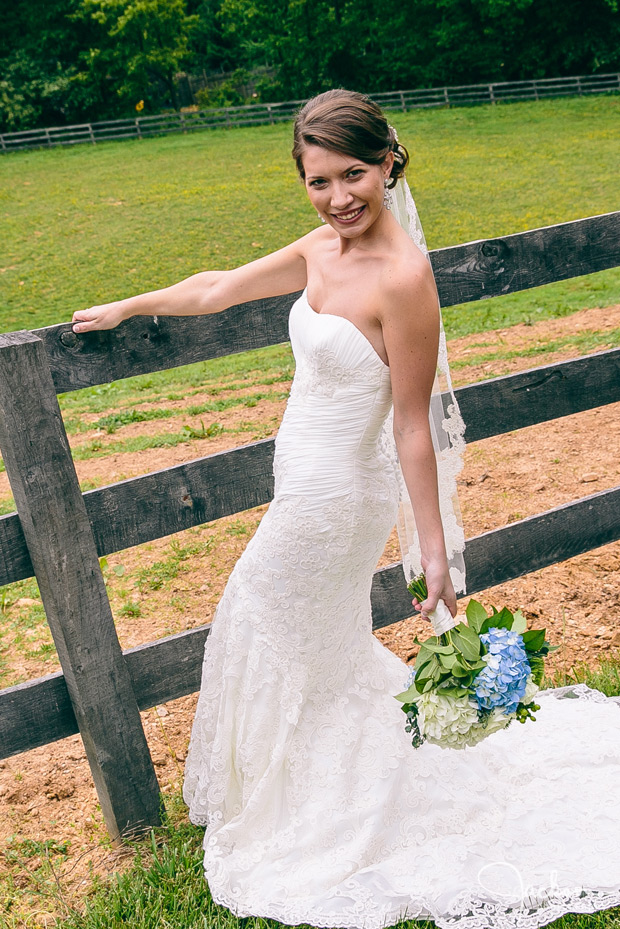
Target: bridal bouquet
x=474, y=678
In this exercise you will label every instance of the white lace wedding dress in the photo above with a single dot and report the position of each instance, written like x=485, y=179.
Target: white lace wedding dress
x=318, y=810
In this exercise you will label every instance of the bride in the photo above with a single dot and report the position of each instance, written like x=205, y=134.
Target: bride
x=316, y=807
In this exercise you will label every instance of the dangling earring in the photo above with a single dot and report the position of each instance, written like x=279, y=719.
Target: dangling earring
x=387, y=196
x=320, y=217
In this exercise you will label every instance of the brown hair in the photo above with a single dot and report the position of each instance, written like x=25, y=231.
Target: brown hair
x=351, y=124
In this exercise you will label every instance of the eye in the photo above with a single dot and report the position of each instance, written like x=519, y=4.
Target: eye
x=355, y=172
x=318, y=182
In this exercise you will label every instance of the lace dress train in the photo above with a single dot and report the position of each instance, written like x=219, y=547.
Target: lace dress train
x=317, y=809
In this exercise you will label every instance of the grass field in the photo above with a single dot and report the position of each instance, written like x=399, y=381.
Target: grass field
x=91, y=224
x=86, y=224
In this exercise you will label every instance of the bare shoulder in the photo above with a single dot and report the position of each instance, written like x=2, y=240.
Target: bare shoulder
x=408, y=286
x=314, y=242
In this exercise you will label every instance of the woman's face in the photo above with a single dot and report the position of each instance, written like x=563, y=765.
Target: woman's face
x=346, y=192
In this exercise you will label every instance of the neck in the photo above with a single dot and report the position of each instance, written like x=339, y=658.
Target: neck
x=380, y=230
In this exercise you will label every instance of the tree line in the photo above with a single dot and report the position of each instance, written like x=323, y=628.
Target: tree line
x=68, y=61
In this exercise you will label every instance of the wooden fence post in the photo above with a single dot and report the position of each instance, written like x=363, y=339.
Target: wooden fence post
x=62, y=548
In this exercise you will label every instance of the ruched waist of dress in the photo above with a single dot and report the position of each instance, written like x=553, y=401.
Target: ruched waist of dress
x=330, y=456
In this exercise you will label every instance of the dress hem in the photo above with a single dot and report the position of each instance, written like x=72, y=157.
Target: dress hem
x=471, y=913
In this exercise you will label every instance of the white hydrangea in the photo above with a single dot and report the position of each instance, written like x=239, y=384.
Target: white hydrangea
x=496, y=721
x=446, y=721
x=452, y=722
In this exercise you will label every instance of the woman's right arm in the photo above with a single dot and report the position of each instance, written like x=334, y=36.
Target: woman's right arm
x=281, y=272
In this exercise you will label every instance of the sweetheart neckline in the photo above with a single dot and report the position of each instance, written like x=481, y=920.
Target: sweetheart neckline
x=351, y=323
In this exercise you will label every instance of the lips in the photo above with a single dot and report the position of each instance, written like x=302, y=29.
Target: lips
x=350, y=216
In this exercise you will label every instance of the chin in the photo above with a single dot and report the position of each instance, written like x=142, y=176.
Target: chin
x=357, y=228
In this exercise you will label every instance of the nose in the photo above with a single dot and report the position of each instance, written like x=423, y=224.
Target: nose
x=341, y=197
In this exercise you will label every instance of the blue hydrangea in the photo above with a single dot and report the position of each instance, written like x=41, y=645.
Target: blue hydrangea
x=410, y=679
x=501, y=684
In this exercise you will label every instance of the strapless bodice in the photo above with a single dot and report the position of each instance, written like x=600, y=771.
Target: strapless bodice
x=340, y=397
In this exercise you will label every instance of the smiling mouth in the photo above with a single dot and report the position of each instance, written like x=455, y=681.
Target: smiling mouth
x=350, y=216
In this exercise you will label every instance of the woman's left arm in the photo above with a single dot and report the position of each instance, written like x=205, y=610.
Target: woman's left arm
x=410, y=324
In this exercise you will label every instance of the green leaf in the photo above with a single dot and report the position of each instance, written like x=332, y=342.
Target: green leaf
x=476, y=615
x=477, y=665
x=453, y=691
x=467, y=643
x=408, y=696
x=502, y=620
x=422, y=662
x=439, y=649
x=534, y=639
x=469, y=634
x=519, y=623
x=448, y=661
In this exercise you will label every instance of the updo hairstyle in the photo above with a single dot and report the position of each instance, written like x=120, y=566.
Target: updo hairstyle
x=350, y=124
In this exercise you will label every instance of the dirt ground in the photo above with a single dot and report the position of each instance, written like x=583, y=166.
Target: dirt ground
x=48, y=795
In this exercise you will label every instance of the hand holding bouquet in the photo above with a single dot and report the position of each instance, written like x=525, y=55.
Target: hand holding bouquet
x=474, y=678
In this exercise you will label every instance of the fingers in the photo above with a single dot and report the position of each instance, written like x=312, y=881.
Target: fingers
x=430, y=603
x=83, y=320
x=418, y=606
x=106, y=316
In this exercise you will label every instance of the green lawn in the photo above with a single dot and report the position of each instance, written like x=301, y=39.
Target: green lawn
x=89, y=224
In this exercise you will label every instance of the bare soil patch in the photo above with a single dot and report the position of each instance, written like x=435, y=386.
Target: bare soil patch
x=47, y=794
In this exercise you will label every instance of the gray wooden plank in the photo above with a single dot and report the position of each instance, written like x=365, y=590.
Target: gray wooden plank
x=492, y=267
x=153, y=505
x=473, y=271
x=144, y=508
x=57, y=530
x=145, y=344
x=35, y=713
x=502, y=404
x=157, y=504
x=522, y=547
x=39, y=712
x=15, y=562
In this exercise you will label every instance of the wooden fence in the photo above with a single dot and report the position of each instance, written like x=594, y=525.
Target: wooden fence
x=264, y=113
x=58, y=534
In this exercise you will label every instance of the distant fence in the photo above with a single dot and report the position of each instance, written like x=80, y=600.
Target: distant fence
x=58, y=533
x=264, y=113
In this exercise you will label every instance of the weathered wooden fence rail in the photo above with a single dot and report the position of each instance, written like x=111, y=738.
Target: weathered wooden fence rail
x=264, y=113
x=60, y=533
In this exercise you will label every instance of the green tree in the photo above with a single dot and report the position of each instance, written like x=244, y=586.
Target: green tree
x=39, y=46
x=210, y=47
x=143, y=44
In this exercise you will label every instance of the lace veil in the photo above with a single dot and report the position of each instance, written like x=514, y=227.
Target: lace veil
x=447, y=430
